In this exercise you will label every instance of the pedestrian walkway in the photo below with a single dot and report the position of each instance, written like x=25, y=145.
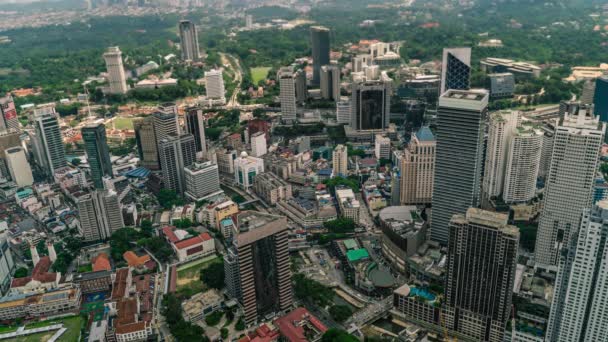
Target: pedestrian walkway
x=24, y=332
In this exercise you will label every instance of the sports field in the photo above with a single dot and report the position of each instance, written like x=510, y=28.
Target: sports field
x=259, y=73
x=72, y=324
x=123, y=123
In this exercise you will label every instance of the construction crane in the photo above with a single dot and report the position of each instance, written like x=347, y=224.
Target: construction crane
x=442, y=323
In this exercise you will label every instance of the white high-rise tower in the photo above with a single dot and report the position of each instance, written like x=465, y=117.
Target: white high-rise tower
x=116, y=71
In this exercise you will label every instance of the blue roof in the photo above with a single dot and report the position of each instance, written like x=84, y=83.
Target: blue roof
x=226, y=222
x=140, y=172
x=425, y=134
x=324, y=172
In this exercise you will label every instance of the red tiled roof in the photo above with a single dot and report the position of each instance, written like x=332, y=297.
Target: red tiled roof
x=193, y=241
x=168, y=231
x=18, y=282
x=135, y=261
x=119, y=287
x=295, y=332
x=101, y=263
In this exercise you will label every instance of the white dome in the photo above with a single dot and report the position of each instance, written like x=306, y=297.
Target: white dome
x=244, y=154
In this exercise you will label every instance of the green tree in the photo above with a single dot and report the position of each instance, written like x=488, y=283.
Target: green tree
x=168, y=198
x=224, y=333
x=240, y=325
x=20, y=272
x=337, y=335
x=213, y=275
x=214, y=318
x=340, y=225
x=146, y=227
x=340, y=313
x=312, y=290
x=180, y=329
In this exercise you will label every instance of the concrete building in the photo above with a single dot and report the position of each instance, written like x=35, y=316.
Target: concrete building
x=189, y=41
x=116, y=72
x=202, y=180
x=382, y=147
x=214, y=84
x=145, y=139
x=330, y=82
x=569, y=185
x=271, y=188
x=340, y=161
x=264, y=276
x=7, y=264
x=19, y=168
x=189, y=247
x=481, y=263
x=258, y=144
x=98, y=153
x=195, y=125
x=455, y=69
x=578, y=309
x=99, y=214
x=370, y=104
x=418, y=168
x=9, y=119
x=600, y=98
x=176, y=153
x=523, y=161
x=501, y=127
x=403, y=233
x=10, y=138
x=225, y=160
x=165, y=123
x=343, y=111
x=49, y=147
x=47, y=304
x=301, y=87
x=319, y=37
x=348, y=204
x=202, y=304
x=461, y=119
x=501, y=65
x=246, y=168
x=287, y=94
x=501, y=85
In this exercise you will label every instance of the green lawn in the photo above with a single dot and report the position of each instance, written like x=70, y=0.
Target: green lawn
x=188, y=275
x=259, y=73
x=85, y=268
x=72, y=324
x=123, y=123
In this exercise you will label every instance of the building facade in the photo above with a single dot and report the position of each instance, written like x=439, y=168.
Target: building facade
x=116, y=72
x=202, y=180
x=19, y=168
x=418, y=168
x=49, y=143
x=287, y=94
x=501, y=127
x=522, y=166
x=246, y=168
x=340, y=161
x=195, y=125
x=176, y=153
x=214, y=84
x=99, y=214
x=258, y=144
x=370, y=104
x=330, y=82
x=98, y=153
x=145, y=139
x=455, y=69
x=189, y=41
x=319, y=37
x=271, y=188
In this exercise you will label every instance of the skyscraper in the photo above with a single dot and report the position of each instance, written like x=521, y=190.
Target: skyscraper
x=340, y=161
x=145, y=139
x=301, y=88
x=501, y=128
x=569, y=184
x=176, y=152
x=7, y=263
x=19, y=168
x=580, y=297
x=195, y=125
x=116, y=71
x=418, y=168
x=258, y=144
x=98, y=154
x=49, y=142
x=456, y=69
x=370, y=104
x=263, y=263
x=480, y=271
x=330, y=82
x=9, y=113
x=165, y=125
x=287, y=94
x=8, y=138
x=214, y=84
x=600, y=98
x=189, y=41
x=319, y=36
x=522, y=164
x=343, y=110
x=99, y=214
x=202, y=179
x=461, y=117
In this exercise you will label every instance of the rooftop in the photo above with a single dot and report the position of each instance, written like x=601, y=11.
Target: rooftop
x=425, y=134
x=357, y=255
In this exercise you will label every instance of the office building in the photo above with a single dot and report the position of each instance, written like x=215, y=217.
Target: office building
x=418, y=168
x=588, y=92
x=580, y=297
x=116, y=73
x=343, y=111
x=19, y=168
x=9, y=117
x=264, y=276
x=501, y=126
x=145, y=139
x=519, y=69
x=202, y=180
x=523, y=162
x=349, y=206
x=340, y=161
x=225, y=160
x=455, y=69
x=189, y=41
x=547, y=150
x=569, y=184
x=319, y=36
x=382, y=147
x=7, y=264
x=258, y=144
x=99, y=214
x=330, y=82
x=9, y=138
x=49, y=143
x=175, y=153
x=600, y=98
x=98, y=153
x=249, y=21
x=301, y=87
x=165, y=124
x=480, y=272
x=195, y=125
x=501, y=85
x=287, y=94
x=271, y=188
x=461, y=119
x=371, y=104
x=246, y=168
x=214, y=84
